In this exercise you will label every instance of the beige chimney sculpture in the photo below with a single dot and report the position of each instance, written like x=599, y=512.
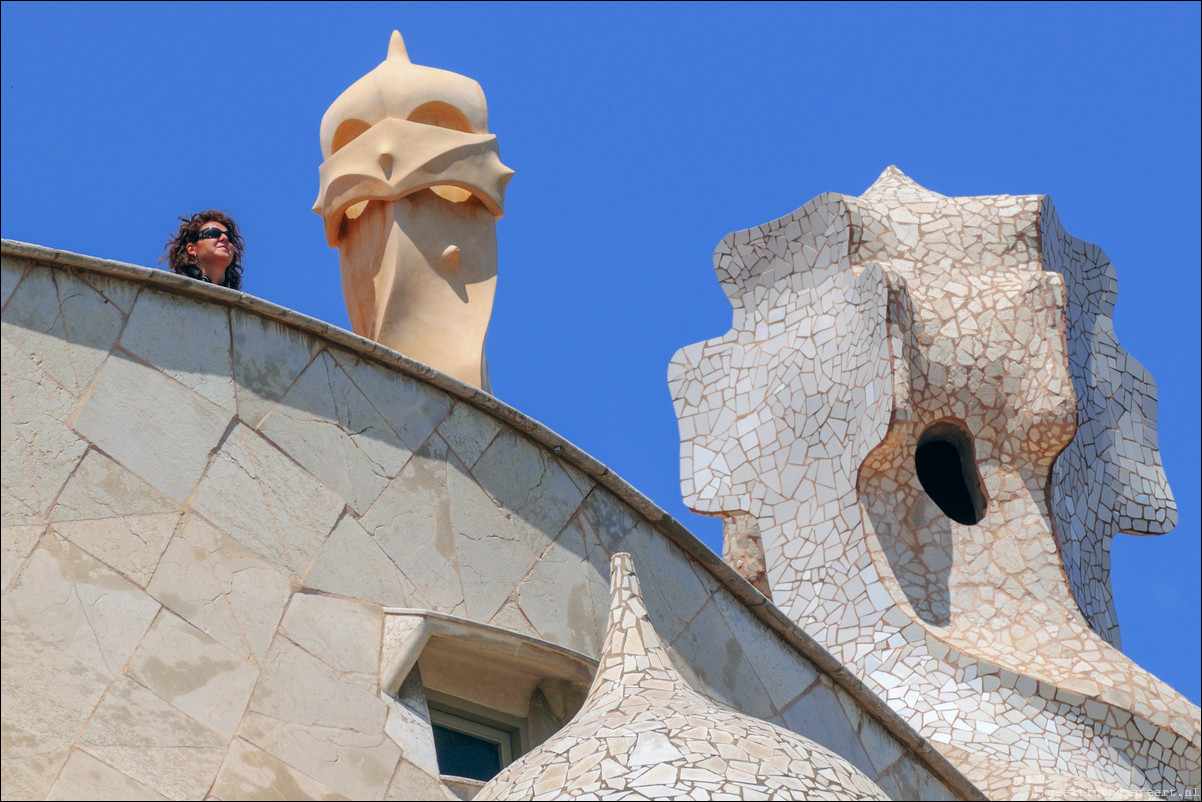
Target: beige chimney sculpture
x=411, y=188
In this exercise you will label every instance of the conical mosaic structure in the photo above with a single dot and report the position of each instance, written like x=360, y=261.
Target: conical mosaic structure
x=644, y=733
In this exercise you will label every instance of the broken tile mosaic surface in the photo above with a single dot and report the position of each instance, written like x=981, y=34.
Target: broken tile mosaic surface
x=644, y=733
x=867, y=329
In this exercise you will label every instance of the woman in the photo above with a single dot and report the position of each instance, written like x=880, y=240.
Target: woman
x=207, y=247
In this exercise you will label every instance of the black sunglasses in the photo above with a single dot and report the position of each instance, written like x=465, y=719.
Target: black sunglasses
x=213, y=233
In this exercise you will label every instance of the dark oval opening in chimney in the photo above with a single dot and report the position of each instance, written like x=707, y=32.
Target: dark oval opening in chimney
x=946, y=464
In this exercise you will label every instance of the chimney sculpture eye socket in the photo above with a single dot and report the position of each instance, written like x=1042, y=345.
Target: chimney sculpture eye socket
x=444, y=115
x=441, y=115
x=348, y=131
x=946, y=464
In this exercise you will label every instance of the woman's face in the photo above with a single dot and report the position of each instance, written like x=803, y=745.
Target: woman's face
x=213, y=253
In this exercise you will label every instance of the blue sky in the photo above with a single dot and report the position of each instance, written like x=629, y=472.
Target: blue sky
x=641, y=135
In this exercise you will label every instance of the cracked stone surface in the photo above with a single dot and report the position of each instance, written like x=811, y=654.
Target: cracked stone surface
x=112, y=514
x=40, y=450
x=83, y=775
x=206, y=370
x=183, y=425
x=142, y=736
x=355, y=453
x=199, y=546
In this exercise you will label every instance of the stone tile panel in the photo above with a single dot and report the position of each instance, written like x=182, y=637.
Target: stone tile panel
x=468, y=432
x=408, y=726
x=29, y=762
x=342, y=633
x=132, y=545
x=411, y=523
x=819, y=714
x=410, y=782
x=64, y=324
x=160, y=323
x=17, y=542
x=193, y=672
x=719, y=664
x=40, y=450
x=331, y=429
x=562, y=595
x=511, y=617
x=304, y=713
x=48, y=697
x=11, y=273
x=115, y=516
x=248, y=772
x=143, y=737
x=352, y=564
x=260, y=498
x=266, y=359
x=529, y=482
x=678, y=593
x=411, y=409
x=780, y=672
x=222, y=588
x=495, y=546
x=71, y=600
x=298, y=687
x=85, y=777
x=133, y=406
x=607, y=520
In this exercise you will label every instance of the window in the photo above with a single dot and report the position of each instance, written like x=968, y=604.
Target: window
x=489, y=695
x=472, y=741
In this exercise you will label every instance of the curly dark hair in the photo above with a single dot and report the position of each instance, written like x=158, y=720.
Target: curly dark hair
x=176, y=255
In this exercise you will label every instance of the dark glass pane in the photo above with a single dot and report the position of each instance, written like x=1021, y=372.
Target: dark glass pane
x=466, y=756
